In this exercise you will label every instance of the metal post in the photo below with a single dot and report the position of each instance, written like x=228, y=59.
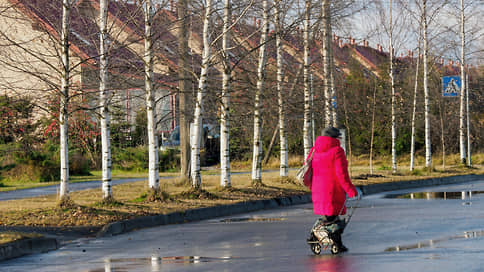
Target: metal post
x=343, y=138
x=469, y=163
x=313, y=129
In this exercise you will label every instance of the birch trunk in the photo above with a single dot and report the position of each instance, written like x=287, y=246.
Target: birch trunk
x=326, y=65
x=462, y=88
x=64, y=102
x=428, y=152
x=104, y=95
x=202, y=86
x=284, y=165
x=334, y=107
x=153, y=167
x=257, y=148
x=184, y=89
x=392, y=78
x=414, y=113
x=307, y=97
x=332, y=85
x=224, y=122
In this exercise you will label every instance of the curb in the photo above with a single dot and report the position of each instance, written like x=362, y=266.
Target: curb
x=27, y=246
x=412, y=184
x=120, y=227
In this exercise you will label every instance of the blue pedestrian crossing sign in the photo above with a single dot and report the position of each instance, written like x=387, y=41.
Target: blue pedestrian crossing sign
x=451, y=86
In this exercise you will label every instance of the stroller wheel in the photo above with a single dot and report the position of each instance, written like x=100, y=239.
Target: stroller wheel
x=316, y=248
x=334, y=249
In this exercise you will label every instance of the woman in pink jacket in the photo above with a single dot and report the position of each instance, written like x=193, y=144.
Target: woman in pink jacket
x=331, y=183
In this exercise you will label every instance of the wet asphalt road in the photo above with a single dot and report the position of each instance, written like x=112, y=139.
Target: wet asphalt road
x=384, y=235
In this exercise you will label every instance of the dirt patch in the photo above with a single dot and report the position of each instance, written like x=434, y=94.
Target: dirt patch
x=367, y=176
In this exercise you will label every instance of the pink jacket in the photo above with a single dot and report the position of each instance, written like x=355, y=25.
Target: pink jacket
x=330, y=177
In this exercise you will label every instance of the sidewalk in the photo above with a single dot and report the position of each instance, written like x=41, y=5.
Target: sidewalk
x=29, y=246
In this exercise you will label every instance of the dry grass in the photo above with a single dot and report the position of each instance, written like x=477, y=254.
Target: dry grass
x=131, y=200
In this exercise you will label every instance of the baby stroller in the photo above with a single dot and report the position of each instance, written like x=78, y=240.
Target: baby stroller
x=326, y=232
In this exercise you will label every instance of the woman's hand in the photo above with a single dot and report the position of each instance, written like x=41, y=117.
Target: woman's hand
x=360, y=193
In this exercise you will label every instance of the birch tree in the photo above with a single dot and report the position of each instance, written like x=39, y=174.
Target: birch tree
x=392, y=82
x=462, y=146
x=104, y=95
x=224, y=124
x=257, y=144
x=414, y=110
x=332, y=85
x=307, y=91
x=428, y=151
x=284, y=165
x=326, y=12
x=153, y=166
x=64, y=102
x=332, y=68
x=196, y=135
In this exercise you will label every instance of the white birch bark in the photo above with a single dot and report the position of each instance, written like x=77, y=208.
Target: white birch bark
x=392, y=78
x=332, y=85
x=307, y=64
x=326, y=65
x=202, y=86
x=414, y=113
x=104, y=95
x=334, y=117
x=428, y=152
x=257, y=145
x=64, y=101
x=462, y=89
x=153, y=166
x=224, y=122
x=284, y=165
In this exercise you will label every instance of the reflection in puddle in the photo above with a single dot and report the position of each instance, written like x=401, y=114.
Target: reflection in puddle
x=464, y=195
x=329, y=263
x=251, y=219
x=155, y=262
x=431, y=243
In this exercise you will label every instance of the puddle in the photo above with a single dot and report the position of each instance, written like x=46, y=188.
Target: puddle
x=251, y=219
x=432, y=243
x=463, y=195
x=155, y=262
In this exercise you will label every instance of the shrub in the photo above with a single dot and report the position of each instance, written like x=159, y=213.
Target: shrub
x=34, y=172
x=169, y=159
x=78, y=164
x=130, y=159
